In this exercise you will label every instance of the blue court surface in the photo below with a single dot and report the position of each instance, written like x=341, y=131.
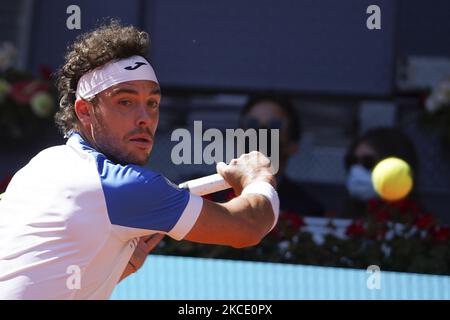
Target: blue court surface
x=182, y=278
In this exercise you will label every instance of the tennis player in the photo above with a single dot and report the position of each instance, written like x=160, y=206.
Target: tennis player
x=89, y=208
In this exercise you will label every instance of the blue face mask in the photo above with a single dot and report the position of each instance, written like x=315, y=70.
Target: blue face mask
x=359, y=183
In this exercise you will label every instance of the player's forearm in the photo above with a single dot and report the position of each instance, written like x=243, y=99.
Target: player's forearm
x=255, y=212
x=239, y=223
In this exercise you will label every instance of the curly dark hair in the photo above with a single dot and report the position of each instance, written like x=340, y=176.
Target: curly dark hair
x=108, y=42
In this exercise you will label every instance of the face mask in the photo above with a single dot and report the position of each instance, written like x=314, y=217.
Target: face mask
x=359, y=183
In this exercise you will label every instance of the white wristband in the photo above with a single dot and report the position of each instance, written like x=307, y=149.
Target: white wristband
x=265, y=189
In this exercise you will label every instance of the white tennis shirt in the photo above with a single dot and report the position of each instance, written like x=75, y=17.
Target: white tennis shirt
x=70, y=219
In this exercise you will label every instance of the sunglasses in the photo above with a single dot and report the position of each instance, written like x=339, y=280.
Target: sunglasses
x=254, y=123
x=367, y=162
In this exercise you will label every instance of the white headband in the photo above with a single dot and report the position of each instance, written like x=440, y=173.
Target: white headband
x=101, y=78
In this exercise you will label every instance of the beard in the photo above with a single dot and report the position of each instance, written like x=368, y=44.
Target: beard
x=113, y=147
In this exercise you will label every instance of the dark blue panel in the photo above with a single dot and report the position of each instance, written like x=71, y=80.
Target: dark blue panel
x=424, y=27
x=298, y=45
x=50, y=36
x=288, y=45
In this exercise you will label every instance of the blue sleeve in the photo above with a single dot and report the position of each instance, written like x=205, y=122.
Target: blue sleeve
x=140, y=198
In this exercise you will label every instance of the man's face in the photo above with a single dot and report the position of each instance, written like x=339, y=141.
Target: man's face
x=268, y=112
x=124, y=119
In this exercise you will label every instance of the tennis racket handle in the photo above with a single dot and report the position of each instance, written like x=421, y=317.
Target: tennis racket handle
x=206, y=185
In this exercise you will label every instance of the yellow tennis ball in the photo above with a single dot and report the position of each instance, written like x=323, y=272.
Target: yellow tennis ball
x=392, y=179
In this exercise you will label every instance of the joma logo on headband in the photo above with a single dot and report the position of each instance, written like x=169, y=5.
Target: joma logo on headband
x=136, y=65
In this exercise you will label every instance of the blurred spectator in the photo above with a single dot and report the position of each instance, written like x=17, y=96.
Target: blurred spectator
x=361, y=158
x=273, y=112
x=437, y=110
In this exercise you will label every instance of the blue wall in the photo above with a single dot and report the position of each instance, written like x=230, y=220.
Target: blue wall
x=303, y=46
x=50, y=36
x=424, y=28
x=170, y=278
x=298, y=46
x=291, y=45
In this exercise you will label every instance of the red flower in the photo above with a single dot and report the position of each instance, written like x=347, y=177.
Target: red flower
x=355, y=229
x=23, y=91
x=46, y=72
x=293, y=219
x=373, y=204
x=441, y=233
x=414, y=208
x=406, y=206
x=402, y=205
x=382, y=215
x=424, y=221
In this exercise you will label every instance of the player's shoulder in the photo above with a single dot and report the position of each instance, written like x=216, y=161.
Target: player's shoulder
x=120, y=175
x=112, y=175
x=57, y=167
x=55, y=154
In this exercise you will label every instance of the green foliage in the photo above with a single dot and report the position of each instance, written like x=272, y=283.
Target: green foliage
x=27, y=104
x=396, y=237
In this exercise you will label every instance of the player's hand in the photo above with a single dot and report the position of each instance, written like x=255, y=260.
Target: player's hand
x=249, y=167
x=145, y=246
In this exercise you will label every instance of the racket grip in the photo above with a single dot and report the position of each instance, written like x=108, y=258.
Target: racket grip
x=206, y=185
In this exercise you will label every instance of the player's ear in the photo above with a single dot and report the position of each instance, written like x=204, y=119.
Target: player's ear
x=82, y=111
